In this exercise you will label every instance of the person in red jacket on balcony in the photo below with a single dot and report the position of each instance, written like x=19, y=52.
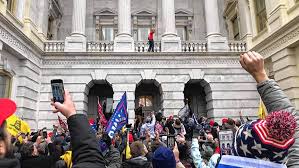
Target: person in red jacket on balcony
x=151, y=40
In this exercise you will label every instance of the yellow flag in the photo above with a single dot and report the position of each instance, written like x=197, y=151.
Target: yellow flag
x=262, y=112
x=67, y=157
x=128, y=152
x=15, y=125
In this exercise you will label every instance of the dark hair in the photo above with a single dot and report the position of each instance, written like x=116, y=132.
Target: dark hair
x=4, y=136
x=27, y=149
x=159, y=117
x=177, y=121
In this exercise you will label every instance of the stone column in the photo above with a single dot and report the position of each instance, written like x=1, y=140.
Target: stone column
x=245, y=21
x=216, y=42
x=170, y=41
x=77, y=41
x=277, y=13
x=124, y=42
x=20, y=10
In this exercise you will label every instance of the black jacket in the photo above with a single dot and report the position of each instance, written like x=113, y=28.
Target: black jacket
x=42, y=161
x=10, y=163
x=138, y=162
x=112, y=158
x=84, y=145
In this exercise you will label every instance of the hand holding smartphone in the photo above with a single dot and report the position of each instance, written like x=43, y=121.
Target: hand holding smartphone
x=57, y=90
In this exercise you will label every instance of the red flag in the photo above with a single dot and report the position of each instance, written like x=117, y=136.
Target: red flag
x=101, y=115
x=62, y=123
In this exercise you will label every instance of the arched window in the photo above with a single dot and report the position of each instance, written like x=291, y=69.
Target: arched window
x=5, y=84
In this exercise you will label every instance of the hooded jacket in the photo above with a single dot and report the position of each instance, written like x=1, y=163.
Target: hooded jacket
x=137, y=162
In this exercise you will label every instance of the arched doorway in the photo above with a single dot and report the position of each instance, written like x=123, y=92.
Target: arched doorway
x=148, y=96
x=195, y=92
x=103, y=90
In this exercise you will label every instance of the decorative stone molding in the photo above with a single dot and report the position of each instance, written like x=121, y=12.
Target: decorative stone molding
x=18, y=46
x=99, y=75
x=148, y=74
x=280, y=43
x=142, y=62
x=196, y=74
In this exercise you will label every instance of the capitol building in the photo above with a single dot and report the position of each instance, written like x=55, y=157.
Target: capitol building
x=99, y=49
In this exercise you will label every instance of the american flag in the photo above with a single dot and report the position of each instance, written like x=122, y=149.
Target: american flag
x=62, y=123
x=103, y=120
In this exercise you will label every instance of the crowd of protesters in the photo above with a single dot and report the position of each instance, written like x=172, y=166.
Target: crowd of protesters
x=146, y=143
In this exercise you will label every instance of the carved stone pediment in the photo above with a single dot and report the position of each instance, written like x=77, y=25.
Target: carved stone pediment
x=144, y=12
x=105, y=12
x=183, y=12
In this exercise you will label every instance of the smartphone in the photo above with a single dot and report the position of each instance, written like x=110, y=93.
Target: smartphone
x=226, y=142
x=170, y=141
x=57, y=90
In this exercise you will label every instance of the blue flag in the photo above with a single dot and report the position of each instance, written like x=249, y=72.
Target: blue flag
x=119, y=117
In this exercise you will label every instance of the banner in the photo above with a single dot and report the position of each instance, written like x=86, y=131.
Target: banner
x=101, y=115
x=92, y=125
x=15, y=125
x=119, y=117
x=228, y=161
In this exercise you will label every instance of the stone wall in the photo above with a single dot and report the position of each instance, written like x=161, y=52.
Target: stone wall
x=229, y=89
x=196, y=7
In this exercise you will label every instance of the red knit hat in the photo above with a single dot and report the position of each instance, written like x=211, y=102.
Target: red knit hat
x=7, y=108
x=224, y=120
x=212, y=123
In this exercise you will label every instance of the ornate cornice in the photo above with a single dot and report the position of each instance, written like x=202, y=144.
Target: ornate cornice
x=282, y=38
x=142, y=61
x=17, y=45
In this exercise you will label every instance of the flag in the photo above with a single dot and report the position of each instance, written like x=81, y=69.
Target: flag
x=228, y=161
x=262, y=112
x=184, y=112
x=15, y=125
x=93, y=125
x=119, y=117
x=62, y=123
x=101, y=115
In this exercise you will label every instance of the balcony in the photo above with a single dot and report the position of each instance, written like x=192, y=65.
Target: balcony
x=142, y=46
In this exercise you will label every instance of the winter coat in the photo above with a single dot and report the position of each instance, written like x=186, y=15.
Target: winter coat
x=197, y=159
x=138, y=162
x=275, y=100
x=113, y=158
x=10, y=163
x=85, y=150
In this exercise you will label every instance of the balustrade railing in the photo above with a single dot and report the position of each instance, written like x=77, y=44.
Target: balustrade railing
x=54, y=46
x=142, y=46
x=100, y=46
x=194, y=46
x=237, y=46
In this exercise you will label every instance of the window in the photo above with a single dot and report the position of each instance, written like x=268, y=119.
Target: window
x=181, y=31
x=143, y=33
x=107, y=33
x=4, y=85
x=261, y=15
x=236, y=29
x=146, y=101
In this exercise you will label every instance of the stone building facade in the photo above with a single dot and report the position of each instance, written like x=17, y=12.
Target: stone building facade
x=98, y=48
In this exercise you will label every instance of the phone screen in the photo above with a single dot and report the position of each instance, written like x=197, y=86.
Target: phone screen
x=170, y=141
x=57, y=90
x=226, y=142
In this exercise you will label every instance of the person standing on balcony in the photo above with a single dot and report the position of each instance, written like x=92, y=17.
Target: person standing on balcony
x=151, y=40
